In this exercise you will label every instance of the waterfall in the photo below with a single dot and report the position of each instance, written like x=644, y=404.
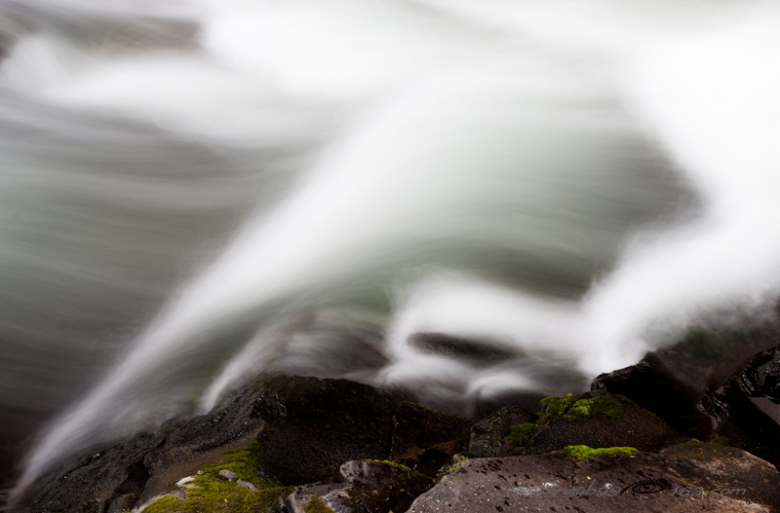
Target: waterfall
x=185, y=186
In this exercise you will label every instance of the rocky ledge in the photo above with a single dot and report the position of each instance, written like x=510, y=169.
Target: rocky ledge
x=310, y=445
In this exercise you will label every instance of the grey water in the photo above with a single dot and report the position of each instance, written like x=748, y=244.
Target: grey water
x=194, y=191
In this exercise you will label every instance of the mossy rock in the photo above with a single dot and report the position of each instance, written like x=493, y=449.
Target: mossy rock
x=596, y=419
x=210, y=491
x=569, y=408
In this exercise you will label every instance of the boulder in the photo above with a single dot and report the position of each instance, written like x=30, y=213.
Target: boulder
x=653, y=385
x=597, y=419
x=557, y=482
x=314, y=425
x=672, y=381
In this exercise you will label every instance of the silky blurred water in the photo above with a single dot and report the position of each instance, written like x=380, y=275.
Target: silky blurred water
x=194, y=191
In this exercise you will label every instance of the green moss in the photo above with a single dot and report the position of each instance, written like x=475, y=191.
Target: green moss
x=718, y=440
x=521, y=432
x=557, y=406
x=569, y=408
x=692, y=441
x=212, y=493
x=393, y=464
x=164, y=505
x=581, y=452
x=243, y=462
x=317, y=505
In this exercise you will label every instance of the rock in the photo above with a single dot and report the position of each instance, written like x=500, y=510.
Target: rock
x=653, y=386
x=147, y=464
x=556, y=482
x=713, y=466
x=426, y=439
x=227, y=474
x=598, y=419
x=483, y=407
x=745, y=407
x=671, y=382
x=382, y=486
x=314, y=425
x=488, y=436
x=475, y=352
x=122, y=503
x=245, y=484
x=340, y=498
x=93, y=482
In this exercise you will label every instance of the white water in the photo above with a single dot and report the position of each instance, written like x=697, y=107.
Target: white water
x=183, y=183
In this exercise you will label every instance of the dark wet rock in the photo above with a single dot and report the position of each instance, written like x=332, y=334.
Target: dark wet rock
x=476, y=352
x=93, y=482
x=340, y=498
x=761, y=375
x=383, y=486
x=556, y=483
x=314, y=425
x=138, y=469
x=671, y=382
x=598, y=419
x=426, y=439
x=654, y=386
x=744, y=408
x=488, y=437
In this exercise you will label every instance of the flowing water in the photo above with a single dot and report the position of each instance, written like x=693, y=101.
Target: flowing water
x=190, y=188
